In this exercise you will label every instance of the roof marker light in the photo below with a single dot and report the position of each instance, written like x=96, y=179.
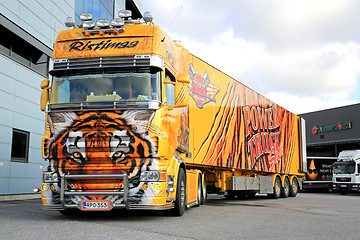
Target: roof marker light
x=86, y=16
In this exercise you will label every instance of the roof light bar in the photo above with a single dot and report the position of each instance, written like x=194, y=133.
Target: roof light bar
x=89, y=24
x=117, y=22
x=86, y=16
x=103, y=23
x=125, y=13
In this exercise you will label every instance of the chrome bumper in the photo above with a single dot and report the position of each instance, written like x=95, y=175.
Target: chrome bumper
x=66, y=192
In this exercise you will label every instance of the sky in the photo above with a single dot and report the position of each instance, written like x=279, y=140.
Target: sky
x=301, y=54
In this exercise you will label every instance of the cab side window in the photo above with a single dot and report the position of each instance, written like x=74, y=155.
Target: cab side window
x=170, y=90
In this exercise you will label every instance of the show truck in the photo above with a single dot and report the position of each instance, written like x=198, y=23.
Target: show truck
x=347, y=172
x=133, y=120
x=319, y=173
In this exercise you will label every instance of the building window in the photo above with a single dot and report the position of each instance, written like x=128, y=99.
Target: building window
x=23, y=52
x=101, y=9
x=20, y=146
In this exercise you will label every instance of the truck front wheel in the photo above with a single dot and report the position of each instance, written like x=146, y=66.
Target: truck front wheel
x=179, y=206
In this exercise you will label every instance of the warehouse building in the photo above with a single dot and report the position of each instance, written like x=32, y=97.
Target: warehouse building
x=331, y=131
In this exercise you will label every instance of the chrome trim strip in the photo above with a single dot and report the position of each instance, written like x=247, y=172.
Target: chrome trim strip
x=106, y=105
x=116, y=61
x=105, y=30
x=152, y=207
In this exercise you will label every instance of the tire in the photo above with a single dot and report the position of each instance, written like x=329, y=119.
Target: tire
x=330, y=188
x=277, y=189
x=180, y=202
x=204, y=192
x=286, y=189
x=199, y=192
x=294, y=188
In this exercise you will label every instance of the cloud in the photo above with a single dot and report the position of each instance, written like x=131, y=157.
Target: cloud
x=302, y=52
x=301, y=104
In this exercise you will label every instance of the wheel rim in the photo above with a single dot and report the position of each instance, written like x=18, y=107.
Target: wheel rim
x=294, y=186
x=182, y=193
x=277, y=186
x=286, y=186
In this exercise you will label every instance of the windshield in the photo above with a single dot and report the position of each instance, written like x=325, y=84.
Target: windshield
x=344, y=168
x=129, y=86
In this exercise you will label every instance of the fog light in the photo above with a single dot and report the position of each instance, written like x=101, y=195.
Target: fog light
x=156, y=187
x=144, y=186
x=52, y=187
x=43, y=187
x=152, y=176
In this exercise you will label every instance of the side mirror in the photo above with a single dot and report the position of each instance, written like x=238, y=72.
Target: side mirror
x=183, y=78
x=45, y=96
x=181, y=94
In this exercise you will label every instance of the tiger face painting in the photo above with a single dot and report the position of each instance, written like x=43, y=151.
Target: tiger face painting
x=112, y=142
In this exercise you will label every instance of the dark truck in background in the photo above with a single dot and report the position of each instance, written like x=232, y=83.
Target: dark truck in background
x=319, y=173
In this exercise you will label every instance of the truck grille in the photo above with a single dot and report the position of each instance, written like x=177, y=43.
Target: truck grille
x=343, y=179
x=101, y=62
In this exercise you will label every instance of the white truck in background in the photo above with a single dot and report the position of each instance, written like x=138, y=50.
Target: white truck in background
x=346, y=172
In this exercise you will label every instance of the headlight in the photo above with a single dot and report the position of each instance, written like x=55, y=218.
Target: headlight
x=152, y=176
x=50, y=177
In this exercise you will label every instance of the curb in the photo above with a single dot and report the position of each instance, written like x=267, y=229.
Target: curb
x=15, y=197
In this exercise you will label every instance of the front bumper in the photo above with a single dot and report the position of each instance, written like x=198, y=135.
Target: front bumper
x=63, y=197
x=346, y=187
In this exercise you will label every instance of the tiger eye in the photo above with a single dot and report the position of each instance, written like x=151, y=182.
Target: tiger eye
x=76, y=155
x=117, y=154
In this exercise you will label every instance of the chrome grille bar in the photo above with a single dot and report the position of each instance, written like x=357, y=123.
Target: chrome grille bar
x=101, y=62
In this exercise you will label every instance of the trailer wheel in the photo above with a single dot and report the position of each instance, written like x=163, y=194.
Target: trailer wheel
x=285, y=190
x=277, y=189
x=179, y=206
x=294, y=188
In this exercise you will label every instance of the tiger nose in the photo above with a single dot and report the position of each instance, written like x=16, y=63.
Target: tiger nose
x=98, y=155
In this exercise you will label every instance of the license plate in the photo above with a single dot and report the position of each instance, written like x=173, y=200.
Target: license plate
x=343, y=185
x=94, y=205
